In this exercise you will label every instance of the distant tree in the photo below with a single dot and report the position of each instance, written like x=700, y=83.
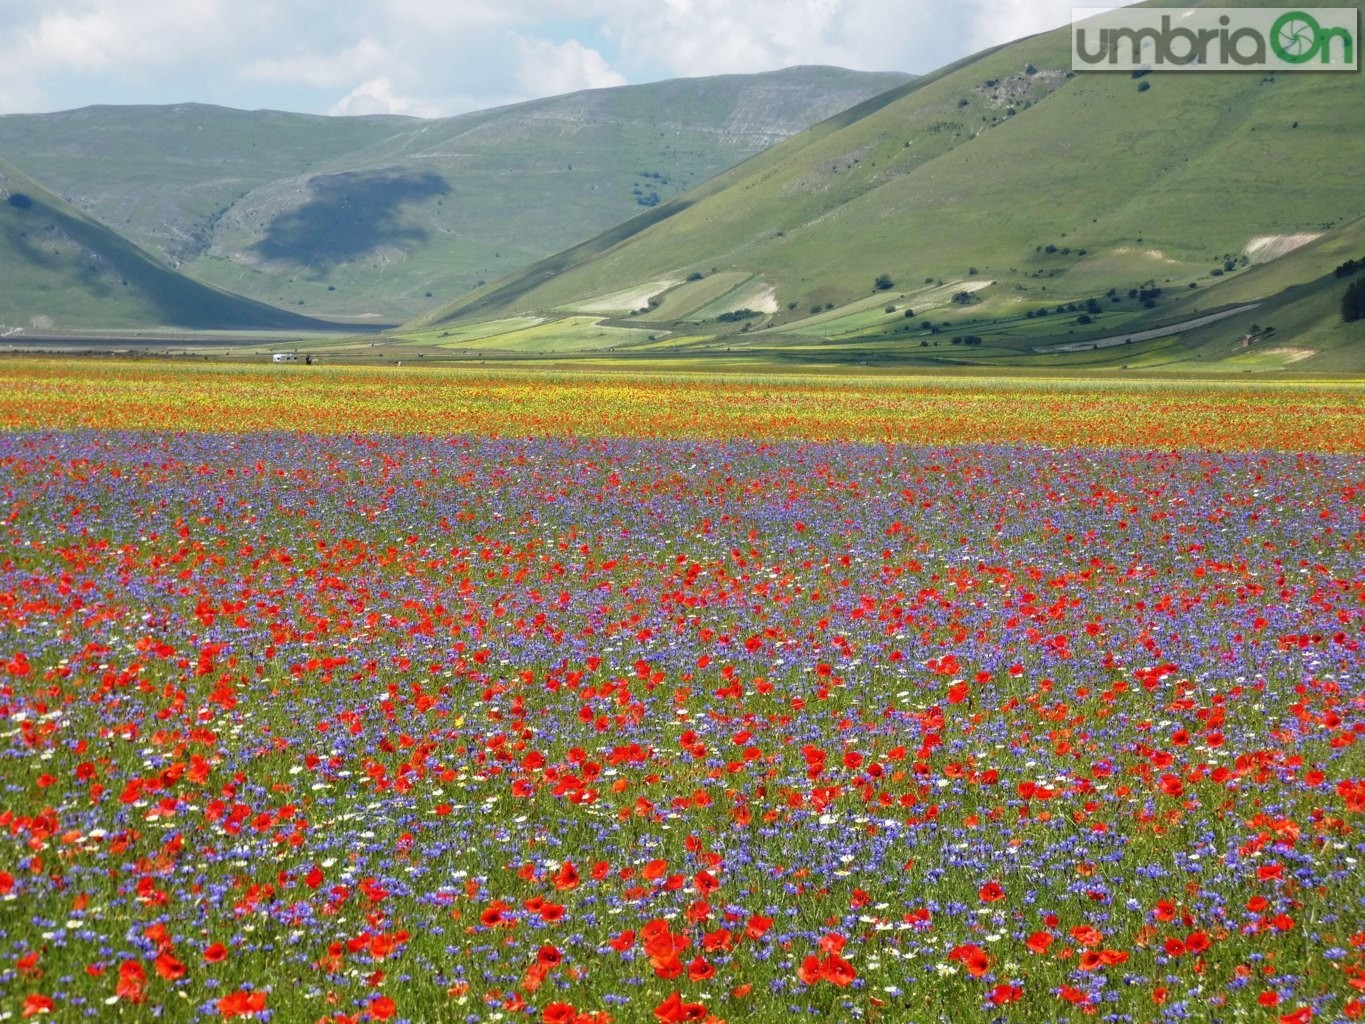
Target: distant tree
x=909, y=314
x=1353, y=302
x=696, y=275
x=20, y=201
x=1143, y=86
x=884, y=283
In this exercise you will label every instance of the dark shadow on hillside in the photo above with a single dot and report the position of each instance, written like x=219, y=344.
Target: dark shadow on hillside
x=348, y=215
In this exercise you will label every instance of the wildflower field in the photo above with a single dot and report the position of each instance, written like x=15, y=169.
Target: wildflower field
x=434, y=696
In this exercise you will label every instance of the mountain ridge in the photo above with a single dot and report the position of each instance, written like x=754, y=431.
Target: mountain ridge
x=64, y=269
x=1027, y=188
x=264, y=203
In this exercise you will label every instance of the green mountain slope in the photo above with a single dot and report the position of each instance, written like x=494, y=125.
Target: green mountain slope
x=1013, y=183
x=355, y=216
x=62, y=270
x=162, y=175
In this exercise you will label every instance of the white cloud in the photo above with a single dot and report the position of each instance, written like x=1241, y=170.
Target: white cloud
x=702, y=37
x=377, y=96
x=82, y=43
x=549, y=69
x=419, y=55
x=326, y=71
x=86, y=35
x=1001, y=21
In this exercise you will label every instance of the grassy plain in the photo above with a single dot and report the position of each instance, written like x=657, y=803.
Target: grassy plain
x=351, y=695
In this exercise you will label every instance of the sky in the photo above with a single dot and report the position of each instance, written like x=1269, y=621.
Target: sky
x=431, y=58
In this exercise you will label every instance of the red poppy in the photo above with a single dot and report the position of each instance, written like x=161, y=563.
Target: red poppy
x=241, y=1004
x=1086, y=935
x=705, y=882
x=673, y=1009
x=1002, y=994
x=700, y=970
x=837, y=971
x=1038, y=942
x=37, y=1003
x=548, y=954
x=132, y=979
x=551, y=912
x=168, y=967
x=991, y=891
x=973, y=957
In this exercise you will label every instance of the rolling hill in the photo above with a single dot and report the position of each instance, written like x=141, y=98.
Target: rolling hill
x=989, y=199
x=62, y=270
x=387, y=216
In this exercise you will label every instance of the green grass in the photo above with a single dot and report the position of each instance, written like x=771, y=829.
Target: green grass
x=526, y=336
x=684, y=300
